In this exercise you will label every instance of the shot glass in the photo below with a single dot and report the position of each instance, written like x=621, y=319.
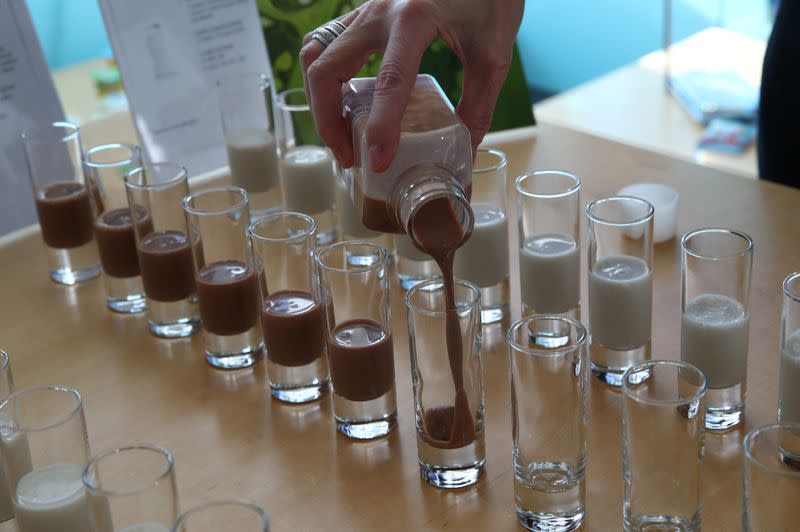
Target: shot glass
x=350, y=226
x=446, y=373
x=789, y=387
x=6, y=389
x=412, y=265
x=359, y=334
x=292, y=312
x=45, y=449
x=548, y=210
x=223, y=515
x=308, y=174
x=483, y=259
x=620, y=284
x=246, y=104
x=165, y=253
x=549, y=382
x=771, y=484
x=106, y=167
x=226, y=276
x=716, y=267
x=135, y=486
x=663, y=408
x=63, y=201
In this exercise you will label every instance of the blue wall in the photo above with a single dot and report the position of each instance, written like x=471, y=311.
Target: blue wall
x=71, y=31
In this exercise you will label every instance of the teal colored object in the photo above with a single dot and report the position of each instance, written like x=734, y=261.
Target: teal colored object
x=71, y=31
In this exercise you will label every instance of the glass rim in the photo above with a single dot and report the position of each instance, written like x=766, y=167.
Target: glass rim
x=200, y=212
x=258, y=510
x=181, y=174
x=643, y=366
x=747, y=249
x=581, y=341
x=96, y=459
x=438, y=284
x=754, y=433
x=293, y=107
x=788, y=292
x=5, y=360
x=381, y=253
x=265, y=78
x=135, y=154
x=28, y=135
x=37, y=389
x=304, y=234
x=614, y=199
x=501, y=163
x=520, y=187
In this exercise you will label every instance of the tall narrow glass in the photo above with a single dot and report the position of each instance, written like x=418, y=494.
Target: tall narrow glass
x=63, y=201
x=245, y=101
x=771, y=484
x=789, y=389
x=292, y=312
x=549, y=367
x=225, y=275
x=45, y=449
x=548, y=209
x=350, y=225
x=663, y=431
x=6, y=389
x=412, y=265
x=716, y=267
x=359, y=333
x=136, y=486
x=620, y=284
x=223, y=515
x=165, y=253
x=448, y=385
x=308, y=173
x=483, y=259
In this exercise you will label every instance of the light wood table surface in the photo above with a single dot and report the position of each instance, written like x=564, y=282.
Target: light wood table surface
x=230, y=439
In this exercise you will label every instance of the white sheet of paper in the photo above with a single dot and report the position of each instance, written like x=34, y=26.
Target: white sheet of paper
x=27, y=97
x=171, y=53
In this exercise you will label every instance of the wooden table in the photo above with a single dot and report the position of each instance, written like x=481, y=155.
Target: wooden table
x=230, y=439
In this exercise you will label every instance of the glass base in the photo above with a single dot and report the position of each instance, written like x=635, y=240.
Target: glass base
x=301, y=394
x=789, y=447
x=609, y=365
x=235, y=351
x=494, y=302
x=538, y=522
x=74, y=265
x=125, y=295
x=724, y=407
x=451, y=478
x=173, y=319
x=412, y=272
x=365, y=420
x=574, y=313
x=661, y=523
x=326, y=237
x=132, y=304
x=298, y=384
x=368, y=430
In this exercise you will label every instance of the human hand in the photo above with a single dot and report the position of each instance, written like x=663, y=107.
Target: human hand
x=480, y=32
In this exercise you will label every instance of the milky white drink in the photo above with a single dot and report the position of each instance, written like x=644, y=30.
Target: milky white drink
x=405, y=248
x=349, y=216
x=714, y=334
x=549, y=266
x=620, y=302
x=53, y=498
x=16, y=464
x=789, y=402
x=308, y=179
x=253, y=159
x=483, y=259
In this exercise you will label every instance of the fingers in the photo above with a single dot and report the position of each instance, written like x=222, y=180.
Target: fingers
x=408, y=39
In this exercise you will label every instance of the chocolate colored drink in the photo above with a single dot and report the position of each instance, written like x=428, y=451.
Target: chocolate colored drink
x=361, y=360
x=294, y=328
x=65, y=214
x=165, y=259
x=116, y=241
x=227, y=293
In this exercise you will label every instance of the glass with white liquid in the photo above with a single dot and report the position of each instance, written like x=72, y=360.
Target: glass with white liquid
x=549, y=366
x=789, y=390
x=307, y=167
x=483, y=259
x=548, y=206
x=620, y=284
x=716, y=267
x=45, y=448
x=135, y=485
x=246, y=105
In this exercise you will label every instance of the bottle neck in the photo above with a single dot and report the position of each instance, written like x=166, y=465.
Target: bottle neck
x=424, y=183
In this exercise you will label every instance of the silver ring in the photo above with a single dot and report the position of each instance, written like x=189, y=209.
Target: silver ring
x=326, y=33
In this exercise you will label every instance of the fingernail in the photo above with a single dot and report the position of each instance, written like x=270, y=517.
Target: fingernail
x=376, y=157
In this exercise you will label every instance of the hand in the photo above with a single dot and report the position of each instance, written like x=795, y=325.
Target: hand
x=480, y=32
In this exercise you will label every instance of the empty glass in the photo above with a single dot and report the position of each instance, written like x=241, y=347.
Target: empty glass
x=223, y=515
x=789, y=390
x=549, y=367
x=663, y=429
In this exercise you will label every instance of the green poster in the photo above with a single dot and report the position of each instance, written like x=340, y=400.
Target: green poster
x=286, y=22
